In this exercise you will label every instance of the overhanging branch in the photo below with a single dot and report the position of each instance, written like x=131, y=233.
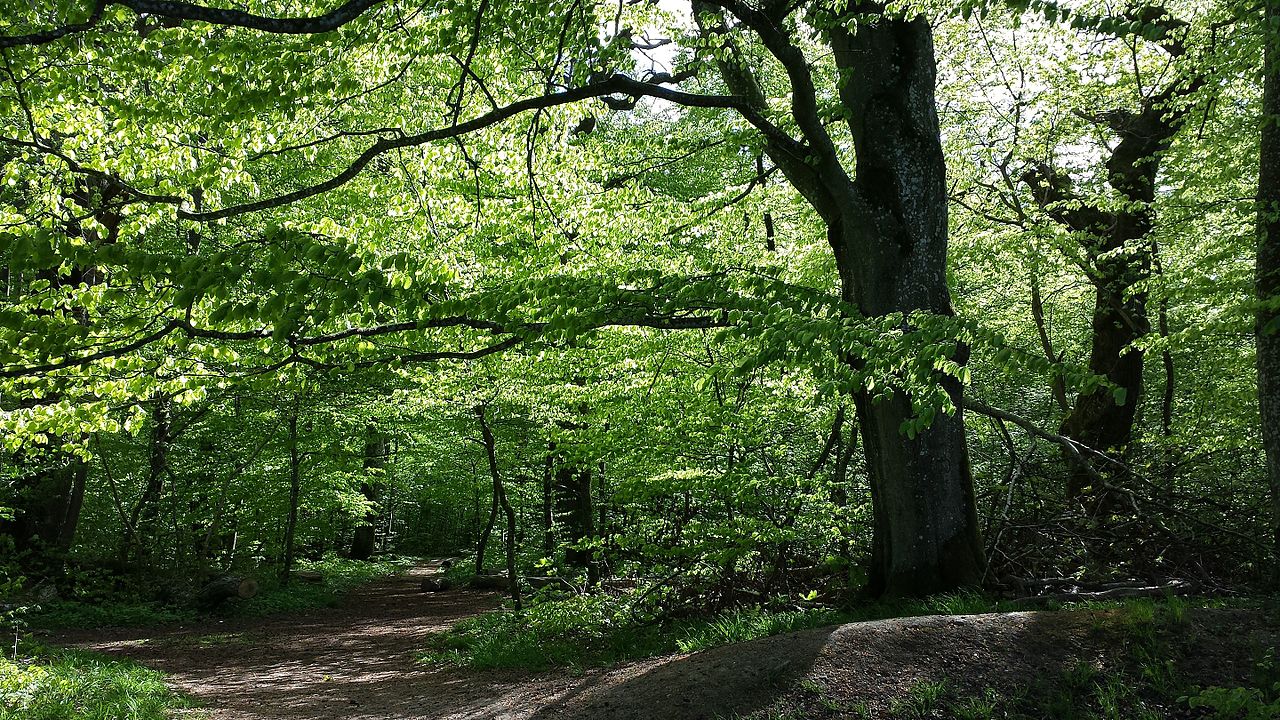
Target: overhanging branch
x=327, y=22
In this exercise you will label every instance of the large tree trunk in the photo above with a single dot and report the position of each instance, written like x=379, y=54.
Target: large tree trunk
x=375, y=462
x=891, y=251
x=573, y=498
x=1268, y=268
x=1118, y=250
x=47, y=505
x=1098, y=420
x=888, y=232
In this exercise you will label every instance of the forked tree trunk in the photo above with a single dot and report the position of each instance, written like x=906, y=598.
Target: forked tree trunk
x=1119, y=251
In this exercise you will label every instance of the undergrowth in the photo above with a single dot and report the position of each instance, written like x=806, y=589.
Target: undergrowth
x=340, y=575
x=602, y=629
x=52, y=684
x=605, y=628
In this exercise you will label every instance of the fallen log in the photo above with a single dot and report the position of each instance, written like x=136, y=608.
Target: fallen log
x=490, y=582
x=436, y=584
x=308, y=576
x=219, y=590
x=538, y=582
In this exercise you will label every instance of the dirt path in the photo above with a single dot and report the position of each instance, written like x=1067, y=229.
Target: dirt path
x=357, y=663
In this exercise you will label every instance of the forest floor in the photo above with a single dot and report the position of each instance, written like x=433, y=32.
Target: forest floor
x=359, y=661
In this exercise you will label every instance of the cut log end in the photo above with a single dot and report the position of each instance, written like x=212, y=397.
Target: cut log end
x=222, y=589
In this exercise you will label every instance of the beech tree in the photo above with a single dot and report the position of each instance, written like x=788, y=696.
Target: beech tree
x=886, y=223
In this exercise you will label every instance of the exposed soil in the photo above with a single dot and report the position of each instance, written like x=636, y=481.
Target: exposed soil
x=358, y=662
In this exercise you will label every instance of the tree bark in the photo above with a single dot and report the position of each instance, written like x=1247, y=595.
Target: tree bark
x=887, y=227
x=47, y=502
x=375, y=461
x=500, y=497
x=1119, y=252
x=482, y=545
x=548, y=503
x=891, y=252
x=147, y=511
x=1268, y=268
x=573, y=496
x=295, y=489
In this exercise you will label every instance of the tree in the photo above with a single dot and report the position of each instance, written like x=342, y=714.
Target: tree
x=887, y=227
x=1117, y=251
x=1268, y=262
x=886, y=223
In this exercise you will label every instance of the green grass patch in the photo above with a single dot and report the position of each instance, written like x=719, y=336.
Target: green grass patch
x=593, y=630
x=49, y=684
x=68, y=614
x=340, y=577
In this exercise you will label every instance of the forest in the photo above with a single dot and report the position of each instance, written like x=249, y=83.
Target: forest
x=767, y=359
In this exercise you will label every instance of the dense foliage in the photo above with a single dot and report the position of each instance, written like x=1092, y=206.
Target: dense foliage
x=675, y=304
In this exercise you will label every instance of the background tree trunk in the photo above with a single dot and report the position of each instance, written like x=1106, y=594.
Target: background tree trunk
x=500, y=496
x=375, y=462
x=295, y=489
x=1268, y=267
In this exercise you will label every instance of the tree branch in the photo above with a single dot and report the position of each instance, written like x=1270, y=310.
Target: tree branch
x=328, y=22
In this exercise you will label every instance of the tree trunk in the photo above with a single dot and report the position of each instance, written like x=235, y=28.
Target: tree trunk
x=890, y=243
x=47, y=503
x=548, y=501
x=147, y=511
x=295, y=489
x=375, y=462
x=1099, y=420
x=222, y=589
x=887, y=228
x=1268, y=268
x=573, y=496
x=482, y=546
x=500, y=496
x=1118, y=251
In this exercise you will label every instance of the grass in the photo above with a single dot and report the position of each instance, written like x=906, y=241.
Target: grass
x=48, y=684
x=340, y=576
x=68, y=614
